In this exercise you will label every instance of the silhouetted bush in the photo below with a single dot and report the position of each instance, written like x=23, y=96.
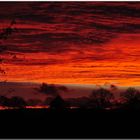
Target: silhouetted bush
x=4, y=101
x=17, y=102
x=12, y=102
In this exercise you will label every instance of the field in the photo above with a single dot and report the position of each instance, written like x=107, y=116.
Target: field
x=72, y=123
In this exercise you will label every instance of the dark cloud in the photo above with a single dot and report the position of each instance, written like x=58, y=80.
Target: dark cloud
x=51, y=89
x=61, y=27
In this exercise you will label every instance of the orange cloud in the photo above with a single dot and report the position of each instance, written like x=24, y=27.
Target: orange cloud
x=86, y=43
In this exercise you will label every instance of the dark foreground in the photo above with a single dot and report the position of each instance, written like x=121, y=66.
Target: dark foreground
x=44, y=123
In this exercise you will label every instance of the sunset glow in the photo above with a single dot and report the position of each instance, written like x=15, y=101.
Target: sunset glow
x=72, y=42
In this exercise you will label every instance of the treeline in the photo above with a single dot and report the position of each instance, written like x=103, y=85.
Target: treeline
x=12, y=102
x=99, y=99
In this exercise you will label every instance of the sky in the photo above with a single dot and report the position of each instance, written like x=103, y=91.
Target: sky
x=71, y=42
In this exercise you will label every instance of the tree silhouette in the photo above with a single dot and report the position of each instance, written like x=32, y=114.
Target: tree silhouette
x=100, y=99
x=130, y=94
x=131, y=99
x=58, y=103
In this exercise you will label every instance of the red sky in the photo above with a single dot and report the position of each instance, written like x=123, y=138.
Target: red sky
x=72, y=42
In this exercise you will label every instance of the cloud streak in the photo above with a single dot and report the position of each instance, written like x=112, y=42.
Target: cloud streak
x=64, y=34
